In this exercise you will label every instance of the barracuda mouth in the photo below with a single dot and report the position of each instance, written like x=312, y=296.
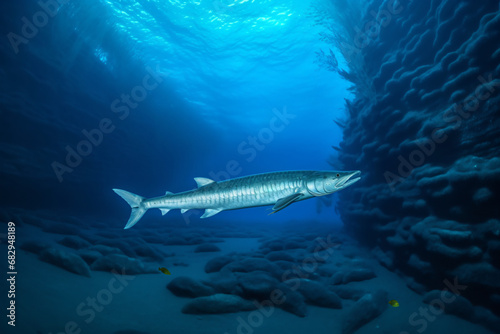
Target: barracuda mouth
x=347, y=180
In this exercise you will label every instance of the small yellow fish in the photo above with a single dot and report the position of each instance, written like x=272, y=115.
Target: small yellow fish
x=164, y=270
x=394, y=303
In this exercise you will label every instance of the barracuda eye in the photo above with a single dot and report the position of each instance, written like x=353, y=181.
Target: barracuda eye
x=338, y=175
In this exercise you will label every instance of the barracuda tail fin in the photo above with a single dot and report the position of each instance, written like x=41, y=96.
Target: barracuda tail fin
x=135, y=202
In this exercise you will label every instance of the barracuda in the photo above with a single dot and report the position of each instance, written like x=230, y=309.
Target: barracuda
x=279, y=189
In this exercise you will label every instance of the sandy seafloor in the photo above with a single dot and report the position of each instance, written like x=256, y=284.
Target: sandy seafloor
x=48, y=296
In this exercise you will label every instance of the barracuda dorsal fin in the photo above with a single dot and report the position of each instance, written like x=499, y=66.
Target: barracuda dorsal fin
x=203, y=181
x=285, y=201
x=169, y=193
x=210, y=212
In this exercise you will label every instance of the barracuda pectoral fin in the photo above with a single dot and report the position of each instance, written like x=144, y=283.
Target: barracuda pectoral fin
x=210, y=213
x=203, y=181
x=285, y=201
x=164, y=211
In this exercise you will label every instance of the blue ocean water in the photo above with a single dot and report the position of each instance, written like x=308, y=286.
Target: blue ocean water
x=238, y=83
x=146, y=95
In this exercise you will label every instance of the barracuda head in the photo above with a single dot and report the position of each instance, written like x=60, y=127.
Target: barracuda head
x=327, y=182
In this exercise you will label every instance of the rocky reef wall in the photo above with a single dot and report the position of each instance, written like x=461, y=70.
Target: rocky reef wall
x=424, y=129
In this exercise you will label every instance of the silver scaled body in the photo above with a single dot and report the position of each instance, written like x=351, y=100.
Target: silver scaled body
x=278, y=188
